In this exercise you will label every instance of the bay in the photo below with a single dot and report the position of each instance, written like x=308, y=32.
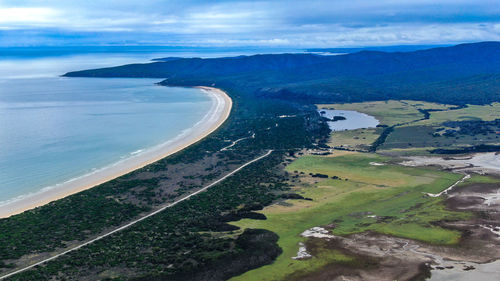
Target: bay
x=54, y=129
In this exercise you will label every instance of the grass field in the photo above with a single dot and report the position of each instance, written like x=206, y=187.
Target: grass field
x=411, y=134
x=471, y=112
x=394, y=194
x=359, y=139
x=427, y=105
x=422, y=136
x=403, y=152
x=389, y=112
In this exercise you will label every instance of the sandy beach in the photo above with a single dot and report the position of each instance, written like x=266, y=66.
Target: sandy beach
x=218, y=113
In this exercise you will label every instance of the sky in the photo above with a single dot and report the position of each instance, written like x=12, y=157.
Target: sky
x=235, y=23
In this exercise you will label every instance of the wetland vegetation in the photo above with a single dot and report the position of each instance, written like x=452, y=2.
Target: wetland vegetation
x=384, y=198
x=249, y=226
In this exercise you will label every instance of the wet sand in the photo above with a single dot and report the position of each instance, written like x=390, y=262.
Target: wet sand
x=482, y=163
x=488, y=271
x=215, y=117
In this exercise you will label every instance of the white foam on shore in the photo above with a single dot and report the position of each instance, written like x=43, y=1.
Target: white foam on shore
x=137, y=151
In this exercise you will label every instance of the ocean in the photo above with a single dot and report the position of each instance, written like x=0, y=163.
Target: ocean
x=54, y=129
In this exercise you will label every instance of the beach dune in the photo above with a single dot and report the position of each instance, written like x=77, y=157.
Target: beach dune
x=218, y=113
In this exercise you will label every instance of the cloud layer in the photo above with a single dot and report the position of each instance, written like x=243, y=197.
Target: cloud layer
x=289, y=23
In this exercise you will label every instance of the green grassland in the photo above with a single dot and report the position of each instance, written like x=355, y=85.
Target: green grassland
x=475, y=178
x=427, y=105
x=359, y=139
x=388, y=112
x=391, y=192
x=413, y=133
x=420, y=133
x=405, y=152
x=471, y=112
x=422, y=136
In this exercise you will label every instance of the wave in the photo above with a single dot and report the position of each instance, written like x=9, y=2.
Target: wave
x=136, y=152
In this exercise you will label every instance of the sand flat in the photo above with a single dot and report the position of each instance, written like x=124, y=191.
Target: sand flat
x=482, y=163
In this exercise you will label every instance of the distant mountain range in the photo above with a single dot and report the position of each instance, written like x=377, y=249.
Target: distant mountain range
x=395, y=48
x=466, y=73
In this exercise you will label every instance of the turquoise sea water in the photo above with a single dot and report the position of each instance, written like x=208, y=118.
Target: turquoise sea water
x=54, y=129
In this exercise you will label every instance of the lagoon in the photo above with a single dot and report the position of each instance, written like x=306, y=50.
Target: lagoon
x=353, y=119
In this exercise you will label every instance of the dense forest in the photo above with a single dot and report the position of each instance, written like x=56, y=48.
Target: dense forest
x=467, y=73
x=192, y=240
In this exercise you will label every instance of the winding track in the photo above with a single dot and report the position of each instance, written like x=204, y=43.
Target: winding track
x=467, y=176
x=137, y=220
x=237, y=141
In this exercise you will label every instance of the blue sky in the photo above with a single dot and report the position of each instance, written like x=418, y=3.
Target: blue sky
x=291, y=23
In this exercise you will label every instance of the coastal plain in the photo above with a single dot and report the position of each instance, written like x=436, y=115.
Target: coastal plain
x=351, y=197
x=419, y=127
x=305, y=209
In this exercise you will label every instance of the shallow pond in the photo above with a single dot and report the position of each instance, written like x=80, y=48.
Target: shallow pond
x=487, y=271
x=353, y=119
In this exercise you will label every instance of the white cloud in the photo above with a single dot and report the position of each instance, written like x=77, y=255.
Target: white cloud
x=28, y=15
x=245, y=22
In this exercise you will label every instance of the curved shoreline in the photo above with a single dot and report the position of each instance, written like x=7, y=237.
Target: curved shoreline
x=217, y=115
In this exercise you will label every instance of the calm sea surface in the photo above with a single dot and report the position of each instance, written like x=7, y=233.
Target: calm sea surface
x=54, y=129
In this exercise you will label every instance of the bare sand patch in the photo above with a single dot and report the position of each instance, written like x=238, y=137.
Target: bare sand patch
x=481, y=163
